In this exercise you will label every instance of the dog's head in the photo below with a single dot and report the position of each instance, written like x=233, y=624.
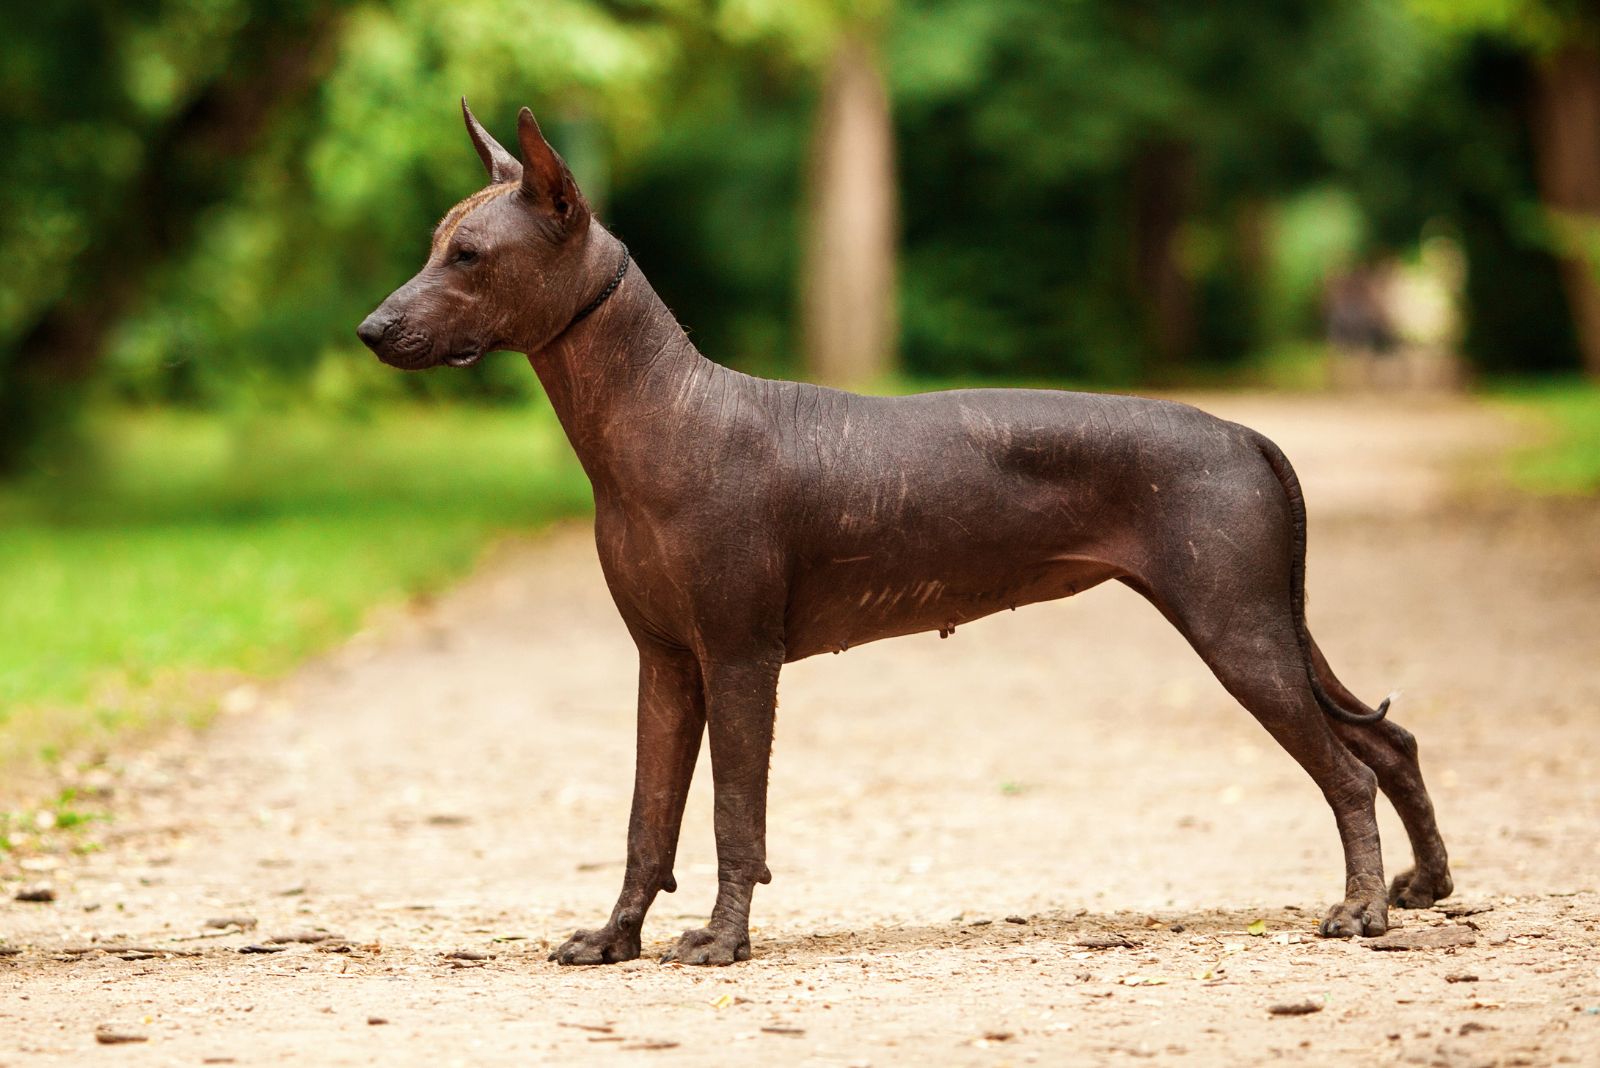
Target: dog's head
x=505, y=267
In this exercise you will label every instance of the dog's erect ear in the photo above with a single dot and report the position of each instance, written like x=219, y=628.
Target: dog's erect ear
x=545, y=177
x=501, y=165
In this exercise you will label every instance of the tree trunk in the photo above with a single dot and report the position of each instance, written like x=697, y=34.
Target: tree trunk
x=849, y=323
x=1566, y=137
x=189, y=166
x=1163, y=177
x=1253, y=227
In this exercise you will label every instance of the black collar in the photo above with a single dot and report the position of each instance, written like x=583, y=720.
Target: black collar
x=600, y=298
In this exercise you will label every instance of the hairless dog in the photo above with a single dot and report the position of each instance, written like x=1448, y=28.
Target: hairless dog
x=744, y=523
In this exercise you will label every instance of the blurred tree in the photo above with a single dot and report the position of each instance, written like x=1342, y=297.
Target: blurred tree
x=692, y=114
x=1560, y=40
x=1162, y=182
x=202, y=196
x=1567, y=138
x=176, y=200
x=1085, y=183
x=122, y=125
x=847, y=283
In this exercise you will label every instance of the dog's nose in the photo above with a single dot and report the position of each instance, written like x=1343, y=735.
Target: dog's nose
x=371, y=330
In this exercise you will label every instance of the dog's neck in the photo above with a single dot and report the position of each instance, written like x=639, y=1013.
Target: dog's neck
x=627, y=363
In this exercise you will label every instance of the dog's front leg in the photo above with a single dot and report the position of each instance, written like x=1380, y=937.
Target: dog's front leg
x=741, y=700
x=672, y=719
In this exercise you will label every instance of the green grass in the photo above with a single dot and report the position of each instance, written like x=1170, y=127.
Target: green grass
x=1566, y=458
x=185, y=546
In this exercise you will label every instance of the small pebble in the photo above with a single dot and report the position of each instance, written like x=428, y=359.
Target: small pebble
x=110, y=1036
x=309, y=938
x=1105, y=940
x=376, y=1021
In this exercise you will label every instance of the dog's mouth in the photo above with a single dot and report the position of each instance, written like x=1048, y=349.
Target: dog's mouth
x=464, y=359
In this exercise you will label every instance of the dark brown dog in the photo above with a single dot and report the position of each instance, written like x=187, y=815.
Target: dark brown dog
x=745, y=523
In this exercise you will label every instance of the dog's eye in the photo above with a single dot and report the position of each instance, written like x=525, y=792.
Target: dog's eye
x=466, y=255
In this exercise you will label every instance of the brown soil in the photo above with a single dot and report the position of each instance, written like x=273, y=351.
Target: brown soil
x=459, y=780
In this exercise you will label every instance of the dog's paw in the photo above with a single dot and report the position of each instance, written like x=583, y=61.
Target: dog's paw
x=1358, y=916
x=606, y=945
x=709, y=945
x=1419, y=890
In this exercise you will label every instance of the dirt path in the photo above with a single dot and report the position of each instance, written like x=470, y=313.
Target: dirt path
x=459, y=780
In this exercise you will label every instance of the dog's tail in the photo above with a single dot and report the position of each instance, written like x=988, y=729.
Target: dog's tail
x=1297, y=592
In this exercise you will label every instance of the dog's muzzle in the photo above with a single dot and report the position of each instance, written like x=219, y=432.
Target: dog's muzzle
x=391, y=342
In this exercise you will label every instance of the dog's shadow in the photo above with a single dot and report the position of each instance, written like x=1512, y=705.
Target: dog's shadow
x=1067, y=929
x=1063, y=931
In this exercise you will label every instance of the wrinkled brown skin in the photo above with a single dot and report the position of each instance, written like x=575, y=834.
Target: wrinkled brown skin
x=745, y=523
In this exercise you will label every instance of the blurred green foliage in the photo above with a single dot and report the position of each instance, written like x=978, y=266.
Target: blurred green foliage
x=1023, y=124
x=1022, y=128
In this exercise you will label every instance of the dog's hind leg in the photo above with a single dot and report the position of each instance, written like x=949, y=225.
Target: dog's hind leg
x=1229, y=594
x=1391, y=752
x=1262, y=667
